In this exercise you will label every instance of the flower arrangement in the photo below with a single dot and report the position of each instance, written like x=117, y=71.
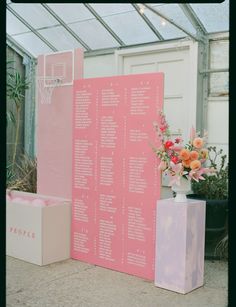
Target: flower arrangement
x=179, y=160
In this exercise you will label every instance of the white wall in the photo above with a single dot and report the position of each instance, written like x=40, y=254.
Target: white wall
x=99, y=66
x=218, y=100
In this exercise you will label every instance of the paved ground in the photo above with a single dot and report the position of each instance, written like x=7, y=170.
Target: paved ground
x=76, y=284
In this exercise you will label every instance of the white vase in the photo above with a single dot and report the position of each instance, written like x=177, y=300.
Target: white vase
x=181, y=190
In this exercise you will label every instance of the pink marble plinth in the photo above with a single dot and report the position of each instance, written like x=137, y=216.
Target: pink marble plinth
x=180, y=241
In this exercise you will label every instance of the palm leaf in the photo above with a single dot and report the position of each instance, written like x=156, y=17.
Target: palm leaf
x=11, y=117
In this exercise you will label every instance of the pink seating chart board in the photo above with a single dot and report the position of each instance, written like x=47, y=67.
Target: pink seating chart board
x=116, y=182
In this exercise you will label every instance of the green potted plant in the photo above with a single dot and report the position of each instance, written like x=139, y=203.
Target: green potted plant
x=21, y=172
x=24, y=177
x=214, y=189
x=16, y=84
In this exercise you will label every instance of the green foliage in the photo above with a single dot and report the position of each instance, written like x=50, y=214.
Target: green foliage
x=215, y=186
x=9, y=174
x=24, y=176
x=11, y=117
x=15, y=90
x=16, y=86
x=10, y=70
x=221, y=248
x=20, y=175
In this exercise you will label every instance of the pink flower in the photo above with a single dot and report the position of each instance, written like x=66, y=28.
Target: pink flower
x=168, y=144
x=176, y=171
x=177, y=168
x=198, y=143
x=178, y=140
x=176, y=147
x=207, y=170
x=194, y=155
x=184, y=154
x=163, y=128
x=180, y=160
x=195, y=164
x=197, y=174
x=174, y=159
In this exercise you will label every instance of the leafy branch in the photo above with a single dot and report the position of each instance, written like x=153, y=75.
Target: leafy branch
x=215, y=186
x=16, y=86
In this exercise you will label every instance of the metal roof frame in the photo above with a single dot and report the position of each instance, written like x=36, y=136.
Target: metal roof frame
x=18, y=47
x=155, y=11
x=148, y=22
x=201, y=33
x=32, y=29
x=105, y=25
x=65, y=26
x=193, y=18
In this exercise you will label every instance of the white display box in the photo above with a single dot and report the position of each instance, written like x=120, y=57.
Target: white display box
x=180, y=241
x=37, y=233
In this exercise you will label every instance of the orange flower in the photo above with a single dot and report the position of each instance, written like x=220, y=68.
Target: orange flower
x=195, y=164
x=198, y=143
x=186, y=163
x=184, y=154
x=204, y=153
x=194, y=155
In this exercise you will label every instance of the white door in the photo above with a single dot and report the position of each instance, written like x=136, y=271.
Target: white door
x=178, y=61
x=179, y=64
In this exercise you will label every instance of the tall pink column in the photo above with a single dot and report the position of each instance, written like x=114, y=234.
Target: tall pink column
x=180, y=240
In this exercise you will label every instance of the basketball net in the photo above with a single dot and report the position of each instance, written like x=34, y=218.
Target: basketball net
x=45, y=88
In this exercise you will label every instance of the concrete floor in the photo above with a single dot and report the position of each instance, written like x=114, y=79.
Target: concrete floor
x=76, y=284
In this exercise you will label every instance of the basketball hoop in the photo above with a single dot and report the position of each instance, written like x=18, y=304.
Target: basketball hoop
x=45, y=88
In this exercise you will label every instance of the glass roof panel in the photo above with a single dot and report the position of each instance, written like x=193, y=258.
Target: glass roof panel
x=34, y=14
x=174, y=12
x=14, y=25
x=71, y=12
x=60, y=38
x=94, y=34
x=121, y=18
x=214, y=16
x=32, y=43
x=105, y=9
x=167, y=30
x=131, y=28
